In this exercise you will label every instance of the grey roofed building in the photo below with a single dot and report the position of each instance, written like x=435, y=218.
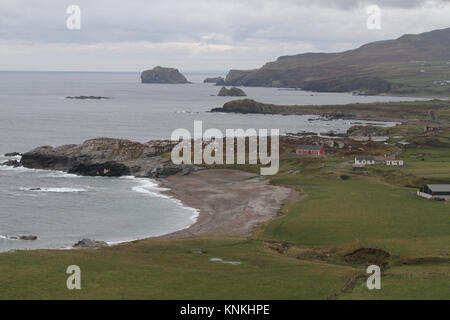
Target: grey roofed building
x=436, y=189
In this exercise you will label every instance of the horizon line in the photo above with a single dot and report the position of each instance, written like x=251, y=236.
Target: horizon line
x=98, y=71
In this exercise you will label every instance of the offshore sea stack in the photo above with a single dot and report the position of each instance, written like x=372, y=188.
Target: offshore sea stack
x=163, y=75
x=232, y=92
x=108, y=157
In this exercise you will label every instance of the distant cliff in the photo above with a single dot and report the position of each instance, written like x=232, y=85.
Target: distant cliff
x=216, y=80
x=403, y=65
x=163, y=75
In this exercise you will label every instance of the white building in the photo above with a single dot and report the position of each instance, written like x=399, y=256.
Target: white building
x=379, y=138
x=395, y=163
x=435, y=192
x=364, y=161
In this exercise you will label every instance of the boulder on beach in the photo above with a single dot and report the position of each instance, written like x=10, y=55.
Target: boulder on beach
x=163, y=75
x=232, y=92
x=88, y=243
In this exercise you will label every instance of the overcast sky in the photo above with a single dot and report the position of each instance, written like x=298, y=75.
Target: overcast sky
x=133, y=35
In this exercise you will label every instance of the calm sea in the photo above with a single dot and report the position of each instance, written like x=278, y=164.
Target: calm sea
x=34, y=112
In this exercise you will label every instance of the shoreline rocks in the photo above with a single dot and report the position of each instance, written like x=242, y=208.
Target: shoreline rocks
x=23, y=237
x=12, y=154
x=107, y=169
x=11, y=163
x=163, y=75
x=88, y=243
x=108, y=157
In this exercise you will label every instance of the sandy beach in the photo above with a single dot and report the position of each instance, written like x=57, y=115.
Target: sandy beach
x=230, y=202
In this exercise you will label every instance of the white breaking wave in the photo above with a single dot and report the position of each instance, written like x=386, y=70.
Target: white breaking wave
x=60, y=174
x=151, y=187
x=58, y=190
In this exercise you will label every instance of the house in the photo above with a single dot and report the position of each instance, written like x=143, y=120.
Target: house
x=310, y=150
x=395, y=163
x=360, y=138
x=402, y=144
x=379, y=138
x=435, y=191
x=365, y=160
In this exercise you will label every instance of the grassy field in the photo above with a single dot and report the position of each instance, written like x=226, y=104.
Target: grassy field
x=308, y=252
x=165, y=269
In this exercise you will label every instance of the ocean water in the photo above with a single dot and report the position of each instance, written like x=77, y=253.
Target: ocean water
x=67, y=208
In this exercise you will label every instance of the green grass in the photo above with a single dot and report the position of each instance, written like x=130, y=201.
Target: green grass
x=340, y=211
x=338, y=216
x=434, y=168
x=164, y=269
x=407, y=282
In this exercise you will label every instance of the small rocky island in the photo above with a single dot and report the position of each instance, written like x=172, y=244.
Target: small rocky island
x=217, y=81
x=88, y=97
x=163, y=75
x=108, y=157
x=232, y=92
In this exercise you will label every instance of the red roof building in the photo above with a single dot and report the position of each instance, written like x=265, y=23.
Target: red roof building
x=310, y=150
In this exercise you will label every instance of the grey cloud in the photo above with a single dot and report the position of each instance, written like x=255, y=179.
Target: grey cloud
x=232, y=33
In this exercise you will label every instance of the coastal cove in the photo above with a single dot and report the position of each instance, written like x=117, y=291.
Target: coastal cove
x=60, y=208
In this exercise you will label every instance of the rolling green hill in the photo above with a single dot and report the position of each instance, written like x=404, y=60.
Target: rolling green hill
x=412, y=64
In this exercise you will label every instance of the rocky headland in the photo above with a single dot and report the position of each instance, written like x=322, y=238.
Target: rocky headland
x=109, y=158
x=163, y=75
x=368, y=70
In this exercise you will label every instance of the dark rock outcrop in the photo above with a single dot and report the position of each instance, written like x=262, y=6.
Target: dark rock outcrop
x=88, y=97
x=107, y=169
x=232, y=92
x=88, y=243
x=163, y=75
x=108, y=157
x=11, y=163
x=12, y=154
x=243, y=106
x=28, y=237
x=216, y=80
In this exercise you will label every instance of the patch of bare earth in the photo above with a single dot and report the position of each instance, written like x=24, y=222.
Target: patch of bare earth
x=231, y=202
